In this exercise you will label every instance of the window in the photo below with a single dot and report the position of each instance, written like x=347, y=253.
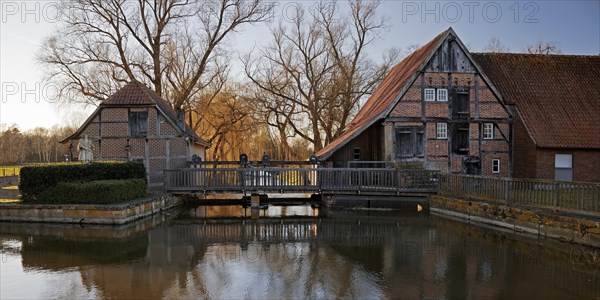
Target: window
x=429, y=95
x=488, y=131
x=410, y=142
x=442, y=95
x=356, y=153
x=460, y=105
x=495, y=166
x=138, y=124
x=441, y=130
x=460, y=138
x=563, y=167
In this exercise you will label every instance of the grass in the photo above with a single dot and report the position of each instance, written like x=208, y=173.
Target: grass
x=10, y=171
x=9, y=200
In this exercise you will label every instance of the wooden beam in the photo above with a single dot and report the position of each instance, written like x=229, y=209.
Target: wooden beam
x=446, y=120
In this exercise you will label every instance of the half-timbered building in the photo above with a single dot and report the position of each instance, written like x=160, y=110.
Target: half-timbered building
x=136, y=124
x=436, y=109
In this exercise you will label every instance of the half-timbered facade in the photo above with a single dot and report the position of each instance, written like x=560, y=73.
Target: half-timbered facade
x=435, y=109
x=136, y=124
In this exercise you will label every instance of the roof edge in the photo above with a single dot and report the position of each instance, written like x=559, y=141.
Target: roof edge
x=83, y=126
x=401, y=93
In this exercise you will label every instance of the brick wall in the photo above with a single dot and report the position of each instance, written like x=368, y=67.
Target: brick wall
x=109, y=131
x=410, y=106
x=586, y=164
x=165, y=128
x=486, y=164
x=407, y=108
x=525, y=154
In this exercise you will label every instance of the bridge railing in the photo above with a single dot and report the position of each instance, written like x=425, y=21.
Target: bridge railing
x=301, y=180
x=561, y=195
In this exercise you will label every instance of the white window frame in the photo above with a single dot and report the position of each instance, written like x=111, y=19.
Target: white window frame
x=563, y=163
x=441, y=131
x=488, y=131
x=495, y=166
x=442, y=95
x=429, y=94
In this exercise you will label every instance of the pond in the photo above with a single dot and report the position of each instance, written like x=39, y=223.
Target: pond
x=286, y=252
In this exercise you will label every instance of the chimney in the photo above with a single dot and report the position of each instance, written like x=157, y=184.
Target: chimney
x=181, y=118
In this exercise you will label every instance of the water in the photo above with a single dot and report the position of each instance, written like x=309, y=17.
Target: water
x=286, y=252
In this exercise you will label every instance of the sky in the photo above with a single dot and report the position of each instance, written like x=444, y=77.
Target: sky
x=573, y=25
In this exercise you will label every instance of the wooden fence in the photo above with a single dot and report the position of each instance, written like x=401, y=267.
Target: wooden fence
x=338, y=180
x=566, y=196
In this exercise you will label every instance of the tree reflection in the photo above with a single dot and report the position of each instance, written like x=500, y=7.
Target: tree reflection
x=346, y=255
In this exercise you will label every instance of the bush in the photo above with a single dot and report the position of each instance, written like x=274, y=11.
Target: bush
x=93, y=192
x=36, y=179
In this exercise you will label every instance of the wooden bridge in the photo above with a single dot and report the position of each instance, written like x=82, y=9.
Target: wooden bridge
x=355, y=181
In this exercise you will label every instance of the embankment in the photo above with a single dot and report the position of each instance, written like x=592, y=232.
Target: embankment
x=545, y=223
x=113, y=214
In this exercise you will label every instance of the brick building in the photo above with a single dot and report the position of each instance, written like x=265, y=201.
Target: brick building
x=436, y=108
x=557, y=105
x=136, y=124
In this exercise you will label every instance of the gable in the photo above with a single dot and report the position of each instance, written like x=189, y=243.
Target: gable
x=450, y=57
x=444, y=53
x=136, y=95
x=386, y=95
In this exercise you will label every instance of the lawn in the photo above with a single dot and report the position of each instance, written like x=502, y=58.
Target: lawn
x=9, y=171
x=9, y=200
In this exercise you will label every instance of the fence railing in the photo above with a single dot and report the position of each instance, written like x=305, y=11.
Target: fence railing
x=341, y=180
x=567, y=196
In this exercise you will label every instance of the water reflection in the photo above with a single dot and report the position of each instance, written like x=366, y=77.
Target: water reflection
x=238, y=211
x=289, y=252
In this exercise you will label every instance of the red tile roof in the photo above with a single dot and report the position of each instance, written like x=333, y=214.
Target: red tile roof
x=386, y=95
x=557, y=96
x=138, y=94
x=134, y=93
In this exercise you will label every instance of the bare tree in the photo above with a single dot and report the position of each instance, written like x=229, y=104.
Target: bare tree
x=172, y=45
x=227, y=121
x=542, y=47
x=35, y=145
x=310, y=79
x=495, y=46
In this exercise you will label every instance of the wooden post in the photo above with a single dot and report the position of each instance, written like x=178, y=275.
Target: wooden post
x=507, y=185
x=388, y=141
x=556, y=202
x=255, y=201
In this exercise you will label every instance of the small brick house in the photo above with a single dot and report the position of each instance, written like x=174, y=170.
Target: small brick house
x=136, y=124
x=557, y=105
x=437, y=109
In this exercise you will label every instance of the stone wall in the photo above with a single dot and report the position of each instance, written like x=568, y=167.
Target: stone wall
x=113, y=214
x=543, y=223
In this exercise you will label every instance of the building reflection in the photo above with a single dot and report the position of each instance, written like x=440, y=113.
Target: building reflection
x=218, y=253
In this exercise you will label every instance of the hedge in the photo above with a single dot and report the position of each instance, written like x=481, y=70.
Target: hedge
x=93, y=192
x=35, y=179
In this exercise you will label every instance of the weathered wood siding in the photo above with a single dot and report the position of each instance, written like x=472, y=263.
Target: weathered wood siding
x=370, y=143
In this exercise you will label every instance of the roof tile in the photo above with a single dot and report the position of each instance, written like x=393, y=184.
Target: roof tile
x=384, y=96
x=557, y=96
